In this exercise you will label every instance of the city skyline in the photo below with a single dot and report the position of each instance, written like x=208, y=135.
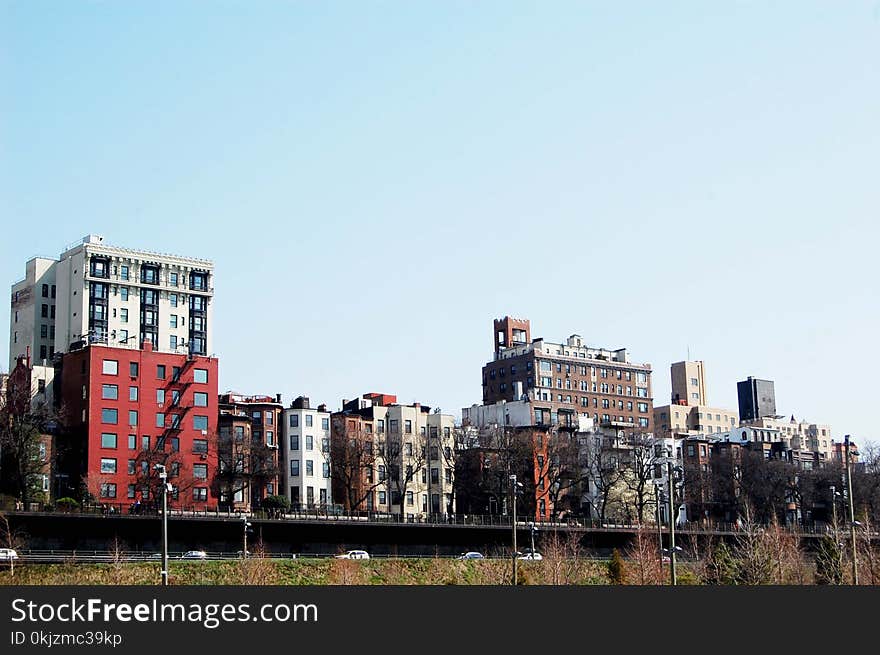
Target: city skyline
x=380, y=199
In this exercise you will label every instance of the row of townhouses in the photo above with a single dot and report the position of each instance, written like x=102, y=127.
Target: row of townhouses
x=116, y=346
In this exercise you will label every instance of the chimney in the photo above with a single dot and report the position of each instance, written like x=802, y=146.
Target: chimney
x=147, y=345
x=322, y=407
x=278, y=398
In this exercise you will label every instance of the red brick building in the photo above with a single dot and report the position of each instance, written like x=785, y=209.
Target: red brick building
x=127, y=410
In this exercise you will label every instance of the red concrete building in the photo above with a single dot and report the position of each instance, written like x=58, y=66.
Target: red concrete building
x=128, y=410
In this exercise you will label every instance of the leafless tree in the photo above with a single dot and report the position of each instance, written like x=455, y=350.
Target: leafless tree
x=402, y=457
x=352, y=465
x=606, y=473
x=644, y=458
x=561, y=558
x=242, y=465
x=559, y=472
x=147, y=476
x=755, y=557
x=10, y=537
x=22, y=426
x=643, y=552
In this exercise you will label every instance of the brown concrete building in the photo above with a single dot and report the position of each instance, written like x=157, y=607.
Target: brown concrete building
x=250, y=427
x=565, y=380
x=689, y=413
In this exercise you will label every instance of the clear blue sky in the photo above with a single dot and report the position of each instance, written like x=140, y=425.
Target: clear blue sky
x=376, y=181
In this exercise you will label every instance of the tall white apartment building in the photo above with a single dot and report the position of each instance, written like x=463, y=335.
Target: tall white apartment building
x=307, y=455
x=97, y=293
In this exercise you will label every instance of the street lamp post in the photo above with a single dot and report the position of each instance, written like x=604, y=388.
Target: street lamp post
x=852, y=514
x=658, y=493
x=163, y=479
x=513, y=524
x=834, y=494
x=672, y=575
x=244, y=532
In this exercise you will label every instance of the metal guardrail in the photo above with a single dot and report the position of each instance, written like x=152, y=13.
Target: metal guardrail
x=109, y=557
x=470, y=520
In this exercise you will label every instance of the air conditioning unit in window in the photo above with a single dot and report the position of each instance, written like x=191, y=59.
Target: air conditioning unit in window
x=204, y=432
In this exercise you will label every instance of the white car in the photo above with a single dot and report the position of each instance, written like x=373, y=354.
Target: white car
x=194, y=554
x=354, y=554
x=534, y=556
x=7, y=555
x=471, y=555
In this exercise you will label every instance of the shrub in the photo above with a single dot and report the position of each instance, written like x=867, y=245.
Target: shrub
x=616, y=568
x=67, y=504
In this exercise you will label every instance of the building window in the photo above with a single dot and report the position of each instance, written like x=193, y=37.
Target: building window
x=110, y=416
x=108, y=490
x=132, y=417
x=123, y=295
x=108, y=440
x=123, y=314
x=160, y=396
x=325, y=469
x=110, y=367
x=200, y=422
x=200, y=376
x=108, y=465
x=133, y=369
x=200, y=471
x=200, y=494
x=309, y=419
x=380, y=426
x=294, y=467
x=294, y=421
x=160, y=371
x=109, y=391
x=172, y=342
x=294, y=442
x=200, y=399
x=325, y=423
x=172, y=279
x=309, y=442
x=133, y=394
x=200, y=446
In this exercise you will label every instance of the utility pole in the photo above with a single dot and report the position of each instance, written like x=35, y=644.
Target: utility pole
x=163, y=480
x=513, y=524
x=852, y=514
x=673, y=578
